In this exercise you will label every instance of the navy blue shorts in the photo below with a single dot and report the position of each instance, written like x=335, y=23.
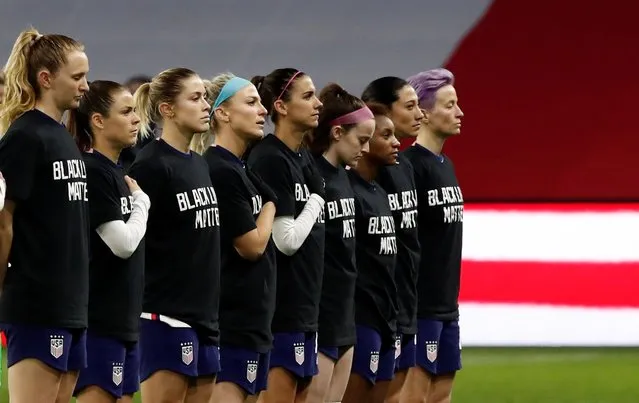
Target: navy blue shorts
x=371, y=360
x=245, y=368
x=406, y=352
x=62, y=349
x=114, y=366
x=438, y=346
x=334, y=353
x=296, y=352
x=175, y=349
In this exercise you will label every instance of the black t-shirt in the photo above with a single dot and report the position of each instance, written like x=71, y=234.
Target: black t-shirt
x=116, y=285
x=299, y=277
x=247, y=302
x=376, y=251
x=48, y=281
x=441, y=214
x=337, y=314
x=399, y=182
x=182, y=268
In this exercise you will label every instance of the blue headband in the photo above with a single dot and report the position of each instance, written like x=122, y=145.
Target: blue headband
x=230, y=88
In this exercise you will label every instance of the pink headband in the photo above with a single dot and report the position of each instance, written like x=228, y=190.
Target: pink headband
x=288, y=83
x=356, y=116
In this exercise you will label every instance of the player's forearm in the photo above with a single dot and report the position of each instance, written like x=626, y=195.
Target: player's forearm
x=264, y=224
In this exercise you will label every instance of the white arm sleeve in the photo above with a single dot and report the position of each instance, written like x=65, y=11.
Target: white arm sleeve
x=123, y=238
x=290, y=233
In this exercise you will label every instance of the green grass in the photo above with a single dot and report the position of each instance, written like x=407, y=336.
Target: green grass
x=551, y=375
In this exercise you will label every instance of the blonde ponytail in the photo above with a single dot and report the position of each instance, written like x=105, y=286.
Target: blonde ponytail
x=31, y=52
x=144, y=109
x=19, y=94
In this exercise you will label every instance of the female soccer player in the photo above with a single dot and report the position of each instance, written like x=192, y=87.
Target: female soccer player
x=44, y=226
x=399, y=182
x=247, y=211
x=441, y=208
x=376, y=250
x=298, y=230
x=345, y=126
x=179, y=326
x=103, y=125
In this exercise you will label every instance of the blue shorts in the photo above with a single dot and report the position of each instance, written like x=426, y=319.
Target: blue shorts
x=175, y=349
x=245, y=368
x=113, y=366
x=406, y=352
x=371, y=360
x=438, y=346
x=296, y=352
x=334, y=353
x=62, y=349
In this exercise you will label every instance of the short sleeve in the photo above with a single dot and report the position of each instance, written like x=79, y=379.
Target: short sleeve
x=236, y=207
x=276, y=173
x=20, y=155
x=150, y=175
x=104, y=200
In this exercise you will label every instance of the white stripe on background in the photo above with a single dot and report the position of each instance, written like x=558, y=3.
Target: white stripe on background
x=551, y=237
x=545, y=325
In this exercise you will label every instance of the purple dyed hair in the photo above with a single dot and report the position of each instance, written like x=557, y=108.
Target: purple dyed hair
x=427, y=83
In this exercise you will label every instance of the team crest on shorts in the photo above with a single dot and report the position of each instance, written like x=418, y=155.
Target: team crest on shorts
x=431, y=351
x=56, y=345
x=118, y=370
x=374, y=362
x=251, y=371
x=187, y=352
x=299, y=353
x=398, y=347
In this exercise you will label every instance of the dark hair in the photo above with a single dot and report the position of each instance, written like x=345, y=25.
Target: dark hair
x=337, y=102
x=384, y=90
x=98, y=99
x=1, y=77
x=378, y=109
x=165, y=87
x=276, y=85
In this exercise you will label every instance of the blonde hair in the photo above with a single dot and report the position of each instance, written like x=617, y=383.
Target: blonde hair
x=202, y=141
x=31, y=52
x=164, y=87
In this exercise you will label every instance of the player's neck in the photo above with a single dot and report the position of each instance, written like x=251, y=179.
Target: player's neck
x=331, y=156
x=430, y=141
x=232, y=142
x=290, y=135
x=177, y=139
x=112, y=153
x=48, y=107
x=367, y=169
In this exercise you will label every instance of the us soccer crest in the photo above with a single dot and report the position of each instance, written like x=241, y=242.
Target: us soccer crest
x=118, y=370
x=251, y=371
x=299, y=353
x=187, y=352
x=56, y=346
x=374, y=362
x=431, y=351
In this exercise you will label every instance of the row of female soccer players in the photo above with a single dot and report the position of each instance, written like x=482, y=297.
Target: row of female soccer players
x=323, y=291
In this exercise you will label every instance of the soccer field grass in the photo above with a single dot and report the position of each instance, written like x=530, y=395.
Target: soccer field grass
x=536, y=375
